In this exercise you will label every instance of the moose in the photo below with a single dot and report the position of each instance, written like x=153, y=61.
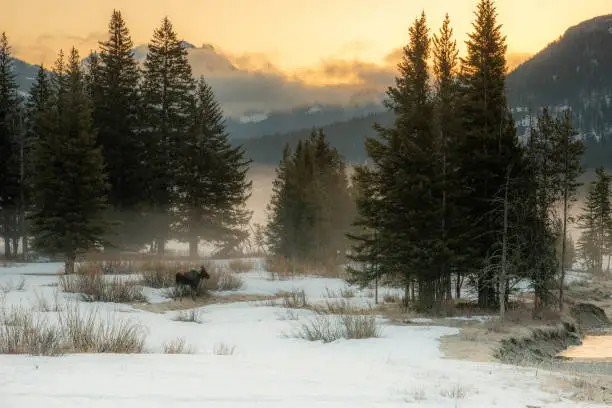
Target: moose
x=191, y=278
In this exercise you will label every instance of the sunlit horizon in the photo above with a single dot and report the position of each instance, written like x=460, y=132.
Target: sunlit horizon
x=286, y=36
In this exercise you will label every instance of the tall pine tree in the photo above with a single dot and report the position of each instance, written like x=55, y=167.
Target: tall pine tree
x=212, y=179
x=489, y=145
x=69, y=181
x=114, y=80
x=10, y=135
x=568, y=150
x=408, y=206
x=166, y=92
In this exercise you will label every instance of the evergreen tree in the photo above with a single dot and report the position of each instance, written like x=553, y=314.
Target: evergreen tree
x=36, y=106
x=448, y=131
x=568, y=150
x=212, y=179
x=280, y=230
x=309, y=213
x=489, y=145
x=10, y=135
x=69, y=181
x=542, y=196
x=114, y=80
x=407, y=211
x=596, y=222
x=167, y=101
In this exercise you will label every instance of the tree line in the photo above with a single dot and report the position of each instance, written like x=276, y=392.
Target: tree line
x=107, y=154
x=450, y=198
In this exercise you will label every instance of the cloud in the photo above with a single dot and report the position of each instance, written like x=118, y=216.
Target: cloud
x=252, y=82
x=44, y=48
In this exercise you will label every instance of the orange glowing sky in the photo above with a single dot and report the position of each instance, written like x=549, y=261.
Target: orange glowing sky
x=288, y=33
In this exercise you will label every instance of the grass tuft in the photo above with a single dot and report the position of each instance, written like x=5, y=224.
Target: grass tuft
x=191, y=316
x=241, y=265
x=222, y=349
x=27, y=332
x=329, y=328
x=177, y=346
x=95, y=287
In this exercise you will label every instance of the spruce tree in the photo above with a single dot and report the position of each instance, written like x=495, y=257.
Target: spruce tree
x=114, y=80
x=568, y=150
x=489, y=145
x=36, y=106
x=542, y=197
x=212, y=179
x=447, y=133
x=408, y=208
x=309, y=213
x=279, y=231
x=10, y=135
x=167, y=100
x=69, y=181
x=596, y=222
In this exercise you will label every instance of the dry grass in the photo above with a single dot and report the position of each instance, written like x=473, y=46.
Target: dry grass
x=455, y=392
x=44, y=305
x=281, y=268
x=328, y=328
x=189, y=303
x=161, y=274
x=177, y=346
x=222, y=349
x=193, y=316
x=296, y=299
x=27, y=332
x=94, y=287
x=592, y=389
x=241, y=265
x=13, y=286
x=224, y=281
x=109, y=267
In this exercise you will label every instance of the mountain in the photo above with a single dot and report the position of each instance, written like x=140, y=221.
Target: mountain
x=238, y=89
x=575, y=72
x=347, y=137
x=257, y=124
x=25, y=74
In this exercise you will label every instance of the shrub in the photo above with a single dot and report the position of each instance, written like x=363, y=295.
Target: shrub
x=295, y=299
x=329, y=328
x=89, y=334
x=95, y=288
x=159, y=274
x=224, y=281
x=222, y=349
x=241, y=265
x=23, y=332
x=192, y=315
x=26, y=332
x=177, y=346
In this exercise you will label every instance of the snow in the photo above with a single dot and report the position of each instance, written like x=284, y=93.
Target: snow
x=269, y=367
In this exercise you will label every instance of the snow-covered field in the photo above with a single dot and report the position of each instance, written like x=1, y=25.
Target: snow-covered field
x=268, y=367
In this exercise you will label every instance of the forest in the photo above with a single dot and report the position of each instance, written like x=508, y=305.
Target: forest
x=109, y=155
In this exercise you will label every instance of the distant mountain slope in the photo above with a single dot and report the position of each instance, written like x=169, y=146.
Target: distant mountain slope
x=348, y=137
x=25, y=74
x=572, y=69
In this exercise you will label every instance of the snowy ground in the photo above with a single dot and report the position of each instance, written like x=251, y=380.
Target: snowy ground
x=267, y=369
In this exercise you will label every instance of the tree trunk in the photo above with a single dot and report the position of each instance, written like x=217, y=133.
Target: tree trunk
x=193, y=247
x=458, y=286
x=563, y=249
x=69, y=260
x=161, y=246
x=503, y=274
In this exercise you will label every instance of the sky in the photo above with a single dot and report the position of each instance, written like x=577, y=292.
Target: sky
x=290, y=33
x=274, y=54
